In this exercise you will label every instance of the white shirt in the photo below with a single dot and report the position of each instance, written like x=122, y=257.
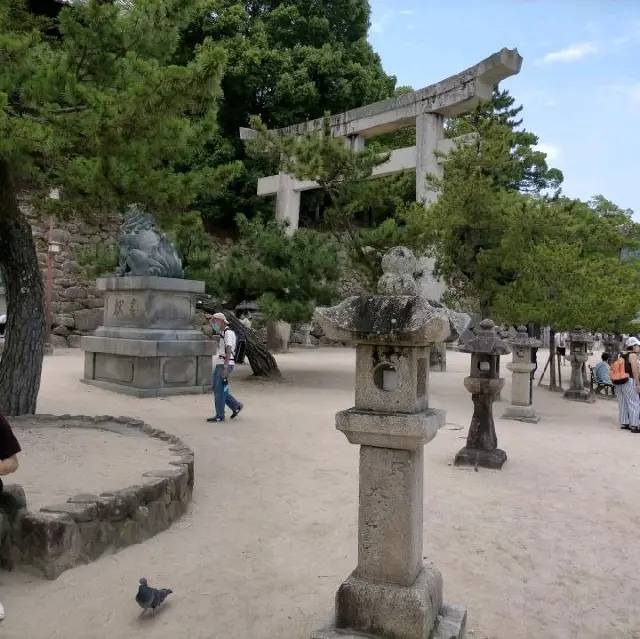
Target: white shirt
x=560, y=340
x=228, y=338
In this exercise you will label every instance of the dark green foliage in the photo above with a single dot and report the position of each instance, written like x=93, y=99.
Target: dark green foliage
x=288, y=61
x=520, y=167
x=288, y=274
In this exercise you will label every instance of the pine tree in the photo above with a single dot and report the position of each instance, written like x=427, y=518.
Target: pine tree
x=92, y=104
x=287, y=274
x=524, y=168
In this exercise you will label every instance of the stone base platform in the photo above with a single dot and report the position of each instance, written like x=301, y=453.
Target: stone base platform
x=493, y=459
x=579, y=395
x=379, y=610
x=451, y=624
x=148, y=346
x=521, y=414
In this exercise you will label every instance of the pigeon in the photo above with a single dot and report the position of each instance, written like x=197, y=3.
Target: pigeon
x=149, y=598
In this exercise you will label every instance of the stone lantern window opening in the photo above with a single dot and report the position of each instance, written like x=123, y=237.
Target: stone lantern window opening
x=386, y=377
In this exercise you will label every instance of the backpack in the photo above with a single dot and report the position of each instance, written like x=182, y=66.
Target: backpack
x=618, y=371
x=241, y=345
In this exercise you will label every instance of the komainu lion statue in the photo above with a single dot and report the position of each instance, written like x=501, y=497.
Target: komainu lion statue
x=145, y=251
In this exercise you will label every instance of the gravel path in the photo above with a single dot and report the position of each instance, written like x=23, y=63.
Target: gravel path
x=546, y=548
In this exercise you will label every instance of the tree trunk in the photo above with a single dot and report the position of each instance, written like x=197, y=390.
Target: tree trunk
x=262, y=362
x=485, y=310
x=21, y=362
x=552, y=359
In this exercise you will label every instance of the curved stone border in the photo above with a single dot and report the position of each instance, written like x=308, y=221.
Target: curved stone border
x=62, y=536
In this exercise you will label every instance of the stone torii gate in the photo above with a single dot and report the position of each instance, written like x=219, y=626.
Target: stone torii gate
x=425, y=108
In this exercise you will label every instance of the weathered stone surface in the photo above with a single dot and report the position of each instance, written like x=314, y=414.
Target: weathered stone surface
x=63, y=331
x=579, y=342
x=391, y=593
x=90, y=319
x=57, y=341
x=74, y=341
x=64, y=320
x=521, y=367
x=452, y=623
x=147, y=346
x=143, y=250
x=65, y=535
x=389, y=610
x=75, y=293
x=483, y=383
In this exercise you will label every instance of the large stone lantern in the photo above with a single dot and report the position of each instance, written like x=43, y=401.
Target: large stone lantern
x=579, y=341
x=391, y=593
x=484, y=383
x=521, y=367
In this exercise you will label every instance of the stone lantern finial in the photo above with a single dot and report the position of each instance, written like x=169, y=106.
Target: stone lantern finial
x=398, y=268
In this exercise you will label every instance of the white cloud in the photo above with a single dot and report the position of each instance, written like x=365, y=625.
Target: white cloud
x=570, y=53
x=377, y=26
x=552, y=151
x=407, y=12
x=630, y=92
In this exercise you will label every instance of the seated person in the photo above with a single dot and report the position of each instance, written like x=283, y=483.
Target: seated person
x=601, y=371
x=9, y=449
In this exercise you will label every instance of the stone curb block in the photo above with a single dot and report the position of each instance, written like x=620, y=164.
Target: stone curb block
x=62, y=536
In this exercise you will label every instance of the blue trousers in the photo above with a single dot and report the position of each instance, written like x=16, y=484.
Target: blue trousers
x=221, y=398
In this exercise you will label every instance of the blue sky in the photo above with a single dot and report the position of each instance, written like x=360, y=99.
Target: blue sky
x=579, y=83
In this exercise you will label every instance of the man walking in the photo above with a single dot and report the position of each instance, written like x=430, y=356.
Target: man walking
x=223, y=365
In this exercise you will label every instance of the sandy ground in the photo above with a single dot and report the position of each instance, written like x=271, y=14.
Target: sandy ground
x=57, y=463
x=547, y=548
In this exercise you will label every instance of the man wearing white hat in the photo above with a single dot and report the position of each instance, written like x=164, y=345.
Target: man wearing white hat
x=222, y=367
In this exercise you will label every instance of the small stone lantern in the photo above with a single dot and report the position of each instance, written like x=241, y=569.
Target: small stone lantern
x=579, y=341
x=484, y=384
x=391, y=593
x=612, y=346
x=521, y=367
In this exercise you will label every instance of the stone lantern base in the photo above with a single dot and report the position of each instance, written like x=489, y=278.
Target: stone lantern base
x=493, y=459
x=579, y=395
x=521, y=414
x=414, y=603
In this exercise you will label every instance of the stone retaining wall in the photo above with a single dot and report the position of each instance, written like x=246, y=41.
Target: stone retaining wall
x=77, y=305
x=62, y=536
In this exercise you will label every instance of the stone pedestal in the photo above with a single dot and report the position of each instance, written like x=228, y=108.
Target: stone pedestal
x=521, y=367
x=391, y=593
x=278, y=334
x=484, y=383
x=438, y=358
x=579, y=341
x=306, y=336
x=148, y=345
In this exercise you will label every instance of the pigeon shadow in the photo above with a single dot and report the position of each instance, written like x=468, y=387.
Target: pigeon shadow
x=149, y=616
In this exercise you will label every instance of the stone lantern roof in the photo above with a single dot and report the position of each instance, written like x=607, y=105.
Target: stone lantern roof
x=396, y=315
x=579, y=335
x=486, y=341
x=522, y=339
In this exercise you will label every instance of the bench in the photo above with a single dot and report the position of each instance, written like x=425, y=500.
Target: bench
x=601, y=388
